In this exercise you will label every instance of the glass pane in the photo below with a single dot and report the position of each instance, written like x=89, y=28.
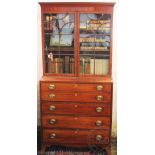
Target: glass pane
x=94, y=43
x=59, y=43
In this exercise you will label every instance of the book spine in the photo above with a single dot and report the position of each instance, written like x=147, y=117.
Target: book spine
x=91, y=66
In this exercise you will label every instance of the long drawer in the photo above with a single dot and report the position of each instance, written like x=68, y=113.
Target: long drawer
x=60, y=108
x=76, y=97
x=88, y=137
x=49, y=86
x=79, y=122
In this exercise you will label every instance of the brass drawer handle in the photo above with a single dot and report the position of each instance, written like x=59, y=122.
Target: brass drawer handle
x=98, y=137
x=98, y=123
x=52, y=108
x=51, y=96
x=99, y=98
x=99, y=109
x=53, y=135
x=52, y=121
x=51, y=86
x=99, y=87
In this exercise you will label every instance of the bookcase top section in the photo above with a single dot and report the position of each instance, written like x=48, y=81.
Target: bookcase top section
x=77, y=79
x=77, y=3
x=76, y=7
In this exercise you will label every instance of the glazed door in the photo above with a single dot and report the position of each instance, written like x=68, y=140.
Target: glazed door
x=77, y=44
x=95, y=38
x=59, y=55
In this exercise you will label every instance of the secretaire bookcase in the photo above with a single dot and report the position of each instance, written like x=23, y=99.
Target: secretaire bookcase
x=76, y=87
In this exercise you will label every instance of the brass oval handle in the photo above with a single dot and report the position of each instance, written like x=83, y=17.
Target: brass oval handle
x=99, y=98
x=99, y=87
x=52, y=96
x=52, y=108
x=52, y=136
x=99, y=109
x=51, y=86
x=98, y=137
x=98, y=123
x=52, y=121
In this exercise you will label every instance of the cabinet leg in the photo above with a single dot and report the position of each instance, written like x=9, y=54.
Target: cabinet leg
x=42, y=151
x=108, y=151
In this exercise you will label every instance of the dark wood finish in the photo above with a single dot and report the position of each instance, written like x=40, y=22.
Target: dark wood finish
x=82, y=109
x=75, y=87
x=87, y=137
x=76, y=97
x=88, y=80
x=75, y=94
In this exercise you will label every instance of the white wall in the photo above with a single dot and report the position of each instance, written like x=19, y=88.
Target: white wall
x=39, y=70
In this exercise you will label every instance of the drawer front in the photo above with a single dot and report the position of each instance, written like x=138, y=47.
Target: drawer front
x=49, y=86
x=78, y=97
x=93, y=109
x=71, y=122
x=88, y=137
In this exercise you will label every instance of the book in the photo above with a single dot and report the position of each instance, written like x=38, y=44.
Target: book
x=55, y=66
x=101, y=66
x=46, y=23
x=66, y=64
x=51, y=67
x=72, y=65
x=105, y=65
x=87, y=66
x=83, y=63
x=91, y=66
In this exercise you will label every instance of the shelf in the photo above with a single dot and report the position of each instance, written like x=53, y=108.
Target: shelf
x=94, y=41
x=103, y=55
x=62, y=54
x=60, y=49
x=93, y=50
x=50, y=33
x=94, y=34
x=96, y=52
x=103, y=33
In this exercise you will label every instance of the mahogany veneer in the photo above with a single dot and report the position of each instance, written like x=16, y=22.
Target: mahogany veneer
x=76, y=109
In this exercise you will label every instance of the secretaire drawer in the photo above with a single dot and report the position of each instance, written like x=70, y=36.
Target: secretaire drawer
x=79, y=122
x=78, y=97
x=93, y=109
x=88, y=137
x=49, y=86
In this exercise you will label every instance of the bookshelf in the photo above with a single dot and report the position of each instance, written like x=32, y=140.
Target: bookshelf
x=95, y=38
x=76, y=87
x=91, y=32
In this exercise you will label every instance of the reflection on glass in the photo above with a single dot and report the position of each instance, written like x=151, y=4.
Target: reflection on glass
x=94, y=43
x=59, y=43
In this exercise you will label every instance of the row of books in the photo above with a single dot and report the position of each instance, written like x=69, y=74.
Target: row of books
x=61, y=65
x=96, y=44
x=92, y=40
x=91, y=66
x=96, y=21
x=93, y=48
x=94, y=28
